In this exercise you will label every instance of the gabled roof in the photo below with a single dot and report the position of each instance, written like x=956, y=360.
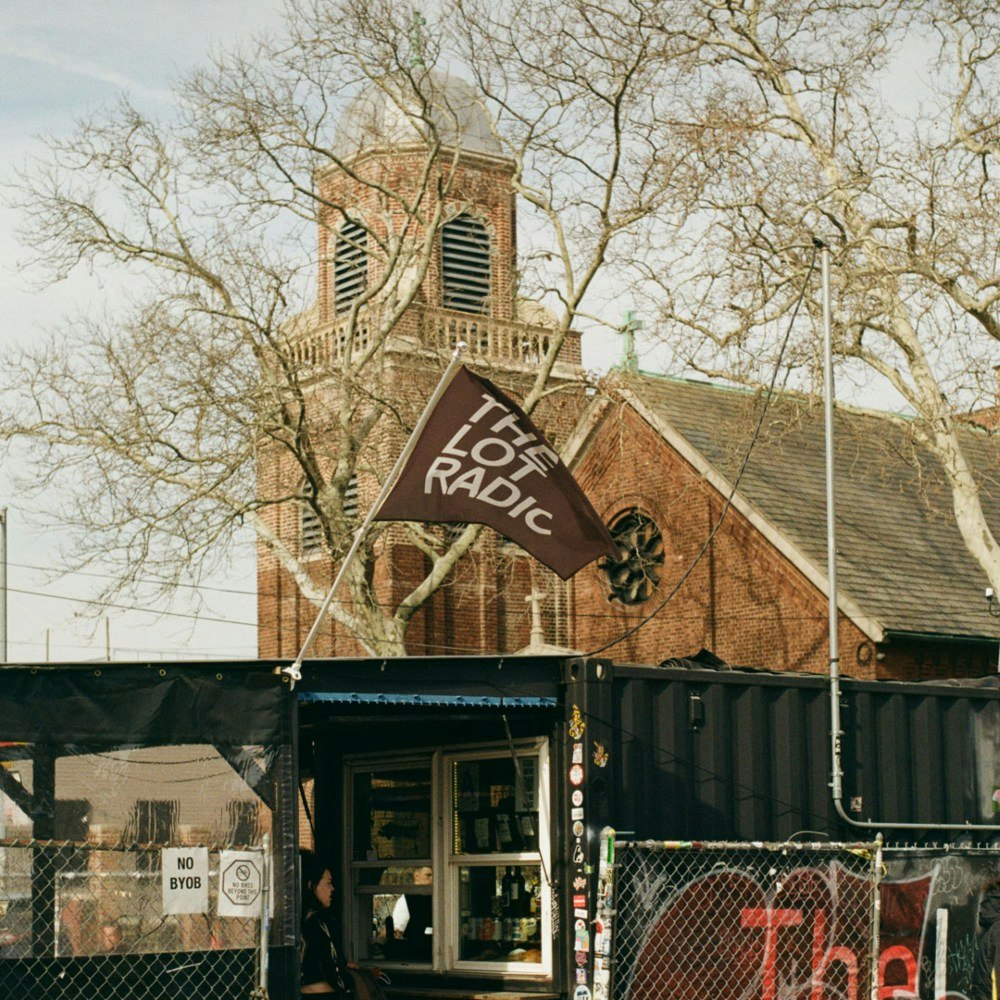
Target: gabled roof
x=902, y=565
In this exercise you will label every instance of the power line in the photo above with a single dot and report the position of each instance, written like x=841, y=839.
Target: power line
x=144, y=582
x=736, y=482
x=132, y=607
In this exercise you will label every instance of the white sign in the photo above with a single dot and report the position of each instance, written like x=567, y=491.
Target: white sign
x=185, y=879
x=240, y=883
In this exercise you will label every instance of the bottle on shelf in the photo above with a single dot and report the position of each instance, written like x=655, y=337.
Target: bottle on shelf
x=525, y=895
x=516, y=892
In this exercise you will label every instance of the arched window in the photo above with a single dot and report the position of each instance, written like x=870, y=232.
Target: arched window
x=350, y=265
x=465, y=265
x=635, y=572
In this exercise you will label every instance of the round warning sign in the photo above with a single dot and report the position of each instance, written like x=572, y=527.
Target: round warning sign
x=581, y=993
x=576, y=775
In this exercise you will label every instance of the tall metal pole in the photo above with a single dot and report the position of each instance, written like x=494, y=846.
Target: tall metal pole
x=836, y=770
x=836, y=767
x=3, y=584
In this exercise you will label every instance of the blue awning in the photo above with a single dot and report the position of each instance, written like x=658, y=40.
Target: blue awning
x=424, y=700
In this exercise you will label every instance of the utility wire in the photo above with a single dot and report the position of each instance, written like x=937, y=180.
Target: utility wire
x=736, y=483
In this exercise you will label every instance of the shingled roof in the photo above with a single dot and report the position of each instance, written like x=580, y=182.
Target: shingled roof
x=902, y=563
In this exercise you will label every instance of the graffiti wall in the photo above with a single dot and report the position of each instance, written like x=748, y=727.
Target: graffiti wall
x=796, y=922
x=930, y=909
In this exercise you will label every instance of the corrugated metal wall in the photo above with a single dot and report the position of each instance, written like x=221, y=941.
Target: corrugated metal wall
x=708, y=755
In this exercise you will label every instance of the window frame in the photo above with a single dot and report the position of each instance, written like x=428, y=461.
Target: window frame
x=446, y=865
x=453, y=862
x=417, y=761
x=350, y=273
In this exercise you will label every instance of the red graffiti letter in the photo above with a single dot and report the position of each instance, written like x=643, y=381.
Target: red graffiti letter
x=897, y=953
x=823, y=958
x=771, y=920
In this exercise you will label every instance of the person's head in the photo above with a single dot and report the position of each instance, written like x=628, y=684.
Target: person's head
x=317, y=881
x=111, y=937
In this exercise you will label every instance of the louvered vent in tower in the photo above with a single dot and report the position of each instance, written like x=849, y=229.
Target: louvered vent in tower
x=465, y=265
x=310, y=528
x=350, y=265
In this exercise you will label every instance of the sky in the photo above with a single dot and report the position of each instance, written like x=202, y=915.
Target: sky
x=59, y=60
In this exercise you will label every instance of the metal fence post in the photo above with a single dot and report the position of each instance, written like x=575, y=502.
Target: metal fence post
x=265, y=918
x=876, y=914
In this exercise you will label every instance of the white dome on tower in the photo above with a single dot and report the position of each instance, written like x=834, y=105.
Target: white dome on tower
x=390, y=112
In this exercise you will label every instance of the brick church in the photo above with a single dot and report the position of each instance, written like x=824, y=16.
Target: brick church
x=735, y=558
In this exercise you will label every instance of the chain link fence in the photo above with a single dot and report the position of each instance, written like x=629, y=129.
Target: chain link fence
x=79, y=921
x=734, y=921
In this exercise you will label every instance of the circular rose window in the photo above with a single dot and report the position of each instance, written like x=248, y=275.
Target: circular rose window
x=634, y=574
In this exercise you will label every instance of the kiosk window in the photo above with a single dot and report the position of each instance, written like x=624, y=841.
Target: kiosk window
x=449, y=861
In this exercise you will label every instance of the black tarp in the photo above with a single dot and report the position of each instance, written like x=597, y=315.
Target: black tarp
x=93, y=719
x=143, y=705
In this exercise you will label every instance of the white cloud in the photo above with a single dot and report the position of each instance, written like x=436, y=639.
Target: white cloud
x=38, y=53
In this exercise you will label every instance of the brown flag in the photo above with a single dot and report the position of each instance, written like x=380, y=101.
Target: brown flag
x=480, y=458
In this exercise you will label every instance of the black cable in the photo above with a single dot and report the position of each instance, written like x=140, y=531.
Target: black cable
x=519, y=773
x=736, y=483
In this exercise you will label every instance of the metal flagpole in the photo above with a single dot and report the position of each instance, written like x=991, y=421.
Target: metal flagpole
x=294, y=670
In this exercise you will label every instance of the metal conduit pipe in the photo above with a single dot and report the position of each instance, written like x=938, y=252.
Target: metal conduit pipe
x=836, y=767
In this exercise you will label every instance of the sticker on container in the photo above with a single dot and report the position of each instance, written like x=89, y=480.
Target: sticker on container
x=576, y=775
x=581, y=993
x=579, y=899
x=577, y=753
x=600, y=754
x=578, y=855
x=576, y=724
x=578, y=829
x=582, y=914
x=581, y=976
x=581, y=957
x=581, y=939
x=580, y=882
x=576, y=813
x=577, y=797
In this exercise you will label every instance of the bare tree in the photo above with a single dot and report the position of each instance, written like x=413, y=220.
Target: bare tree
x=152, y=417
x=874, y=127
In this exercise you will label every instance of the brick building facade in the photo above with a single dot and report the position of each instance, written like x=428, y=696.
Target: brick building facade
x=656, y=456
x=752, y=590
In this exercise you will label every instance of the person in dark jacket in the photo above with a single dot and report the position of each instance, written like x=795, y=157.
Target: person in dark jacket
x=986, y=970
x=323, y=973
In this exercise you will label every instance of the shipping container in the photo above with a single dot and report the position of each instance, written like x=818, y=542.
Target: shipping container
x=472, y=790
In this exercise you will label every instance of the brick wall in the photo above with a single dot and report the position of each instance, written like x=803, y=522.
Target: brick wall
x=744, y=601
x=477, y=185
